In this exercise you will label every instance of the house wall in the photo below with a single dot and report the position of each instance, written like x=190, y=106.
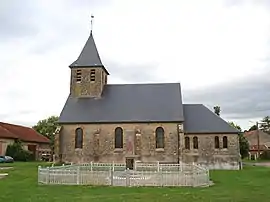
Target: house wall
x=40, y=148
x=208, y=156
x=98, y=146
x=3, y=145
x=5, y=142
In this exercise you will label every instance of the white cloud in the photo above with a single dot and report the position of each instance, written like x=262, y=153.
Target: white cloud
x=198, y=43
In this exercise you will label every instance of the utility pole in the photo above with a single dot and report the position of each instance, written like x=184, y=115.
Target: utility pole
x=258, y=139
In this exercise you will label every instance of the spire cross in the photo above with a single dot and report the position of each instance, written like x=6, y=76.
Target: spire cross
x=92, y=17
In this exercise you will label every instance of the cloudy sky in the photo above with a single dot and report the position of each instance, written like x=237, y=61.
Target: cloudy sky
x=218, y=49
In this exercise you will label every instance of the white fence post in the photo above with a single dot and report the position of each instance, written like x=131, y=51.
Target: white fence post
x=158, y=166
x=78, y=175
x=127, y=177
x=112, y=173
x=39, y=167
x=47, y=175
x=91, y=166
x=113, y=166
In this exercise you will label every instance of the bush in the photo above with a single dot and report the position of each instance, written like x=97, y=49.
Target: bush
x=265, y=155
x=17, y=152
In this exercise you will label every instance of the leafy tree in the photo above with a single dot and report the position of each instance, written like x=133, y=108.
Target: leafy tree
x=217, y=110
x=47, y=128
x=235, y=126
x=254, y=127
x=244, y=146
x=265, y=125
x=243, y=143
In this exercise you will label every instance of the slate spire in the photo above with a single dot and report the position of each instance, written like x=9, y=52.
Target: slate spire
x=89, y=56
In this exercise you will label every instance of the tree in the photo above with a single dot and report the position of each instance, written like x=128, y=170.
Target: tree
x=47, y=128
x=217, y=110
x=243, y=143
x=254, y=127
x=235, y=126
x=16, y=151
x=265, y=124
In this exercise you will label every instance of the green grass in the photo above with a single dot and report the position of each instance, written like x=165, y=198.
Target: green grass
x=256, y=161
x=249, y=185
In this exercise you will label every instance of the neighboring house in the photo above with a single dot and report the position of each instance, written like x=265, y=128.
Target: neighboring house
x=32, y=141
x=104, y=122
x=252, y=138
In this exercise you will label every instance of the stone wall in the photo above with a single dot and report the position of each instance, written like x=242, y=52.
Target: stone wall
x=87, y=88
x=207, y=155
x=98, y=143
x=98, y=146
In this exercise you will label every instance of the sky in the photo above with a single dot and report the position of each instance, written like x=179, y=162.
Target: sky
x=219, y=50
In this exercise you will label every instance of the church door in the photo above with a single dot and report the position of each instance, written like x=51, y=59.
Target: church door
x=130, y=163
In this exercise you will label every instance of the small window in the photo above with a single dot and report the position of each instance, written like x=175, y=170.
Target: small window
x=78, y=138
x=187, y=143
x=225, y=142
x=118, y=138
x=217, y=142
x=78, y=75
x=159, y=137
x=92, y=75
x=195, y=143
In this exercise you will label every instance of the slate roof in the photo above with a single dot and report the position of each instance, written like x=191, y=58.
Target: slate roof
x=89, y=56
x=199, y=119
x=127, y=103
x=26, y=134
x=138, y=103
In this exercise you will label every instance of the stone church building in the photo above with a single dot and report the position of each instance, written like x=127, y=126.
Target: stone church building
x=103, y=122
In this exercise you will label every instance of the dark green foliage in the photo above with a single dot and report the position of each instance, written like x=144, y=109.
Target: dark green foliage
x=47, y=128
x=254, y=127
x=244, y=146
x=265, y=124
x=237, y=127
x=17, y=152
x=217, y=110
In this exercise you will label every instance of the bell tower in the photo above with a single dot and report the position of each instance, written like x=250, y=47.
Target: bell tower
x=88, y=74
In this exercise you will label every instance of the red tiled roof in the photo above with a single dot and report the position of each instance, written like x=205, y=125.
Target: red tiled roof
x=249, y=133
x=21, y=132
x=255, y=147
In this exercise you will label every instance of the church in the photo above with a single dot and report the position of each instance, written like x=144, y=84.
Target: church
x=124, y=123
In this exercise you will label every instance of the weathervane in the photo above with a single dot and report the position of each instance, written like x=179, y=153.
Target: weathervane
x=92, y=17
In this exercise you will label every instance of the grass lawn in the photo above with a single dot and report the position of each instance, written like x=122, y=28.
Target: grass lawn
x=249, y=185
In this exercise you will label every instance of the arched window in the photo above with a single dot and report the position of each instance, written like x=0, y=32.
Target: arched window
x=217, y=142
x=187, y=143
x=195, y=143
x=118, y=138
x=225, y=142
x=79, y=138
x=159, y=137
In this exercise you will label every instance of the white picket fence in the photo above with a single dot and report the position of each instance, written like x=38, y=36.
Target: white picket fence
x=111, y=174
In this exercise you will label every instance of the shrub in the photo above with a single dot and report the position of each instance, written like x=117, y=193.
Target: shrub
x=17, y=152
